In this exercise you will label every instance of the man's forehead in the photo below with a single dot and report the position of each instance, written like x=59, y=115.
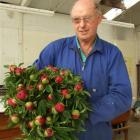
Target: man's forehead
x=82, y=11
x=83, y=8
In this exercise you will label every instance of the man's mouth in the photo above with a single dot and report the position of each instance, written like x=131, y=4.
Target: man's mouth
x=83, y=32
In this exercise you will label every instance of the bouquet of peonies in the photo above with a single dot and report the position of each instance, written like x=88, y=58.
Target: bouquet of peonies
x=49, y=104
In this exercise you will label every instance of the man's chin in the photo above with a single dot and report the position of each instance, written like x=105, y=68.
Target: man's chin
x=83, y=38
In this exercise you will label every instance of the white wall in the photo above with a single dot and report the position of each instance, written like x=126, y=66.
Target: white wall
x=10, y=45
x=40, y=30
x=22, y=37
x=138, y=43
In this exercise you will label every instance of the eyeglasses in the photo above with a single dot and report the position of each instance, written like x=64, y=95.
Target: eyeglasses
x=86, y=19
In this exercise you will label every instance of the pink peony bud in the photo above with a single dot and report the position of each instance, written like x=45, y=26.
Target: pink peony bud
x=75, y=114
x=29, y=105
x=58, y=79
x=12, y=68
x=65, y=93
x=50, y=97
x=30, y=87
x=59, y=107
x=18, y=71
x=78, y=87
x=14, y=118
x=64, y=72
x=31, y=124
x=54, y=69
x=48, y=132
x=20, y=87
x=22, y=95
x=44, y=79
x=40, y=87
x=11, y=102
x=39, y=120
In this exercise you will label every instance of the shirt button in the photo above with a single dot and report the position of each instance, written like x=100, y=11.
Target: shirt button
x=94, y=90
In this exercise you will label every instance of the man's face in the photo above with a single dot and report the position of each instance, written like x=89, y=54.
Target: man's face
x=85, y=21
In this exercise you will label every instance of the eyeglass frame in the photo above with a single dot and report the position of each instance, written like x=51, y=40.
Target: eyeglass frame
x=86, y=19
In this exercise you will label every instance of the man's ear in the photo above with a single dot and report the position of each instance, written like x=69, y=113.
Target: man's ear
x=100, y=17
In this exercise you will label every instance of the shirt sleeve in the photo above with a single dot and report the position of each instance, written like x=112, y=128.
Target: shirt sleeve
x=119, y=97
x=46, y=57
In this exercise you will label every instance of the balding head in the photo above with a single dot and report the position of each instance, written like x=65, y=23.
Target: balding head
x=84, y=4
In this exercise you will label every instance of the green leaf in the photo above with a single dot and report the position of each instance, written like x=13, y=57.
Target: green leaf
x=63, y=136
x=6, y=66
x=40, y=132
x=65, y=129
x=76, y=79
x=86, y=93
x=53, y=138
x=67, y=114
x=24, y=128
x=42, y=107
x=49, y=89
x=11, y=125
x=80, y=129
x=73, y=137
x=19, y=102
x=55, y=118
x=20, y=64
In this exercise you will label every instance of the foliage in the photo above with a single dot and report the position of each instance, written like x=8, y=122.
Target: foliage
x=47, y=104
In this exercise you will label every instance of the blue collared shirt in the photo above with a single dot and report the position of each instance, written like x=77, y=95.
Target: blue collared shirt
x=105, y=76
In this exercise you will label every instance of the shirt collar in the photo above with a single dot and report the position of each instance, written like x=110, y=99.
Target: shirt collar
x=97, y=46
x=78, y=45
x=83, y=56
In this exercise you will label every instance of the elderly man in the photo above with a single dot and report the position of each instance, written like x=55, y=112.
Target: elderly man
x=100, y=64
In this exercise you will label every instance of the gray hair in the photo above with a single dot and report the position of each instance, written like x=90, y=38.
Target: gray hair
x=98, y=8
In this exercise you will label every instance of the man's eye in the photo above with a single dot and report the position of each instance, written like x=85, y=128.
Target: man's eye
x=86, y=18
x=76, y=19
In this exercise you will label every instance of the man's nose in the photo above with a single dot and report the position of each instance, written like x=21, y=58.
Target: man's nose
x=82, y=23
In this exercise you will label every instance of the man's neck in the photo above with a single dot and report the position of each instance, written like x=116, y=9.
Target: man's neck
x=86, y=46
